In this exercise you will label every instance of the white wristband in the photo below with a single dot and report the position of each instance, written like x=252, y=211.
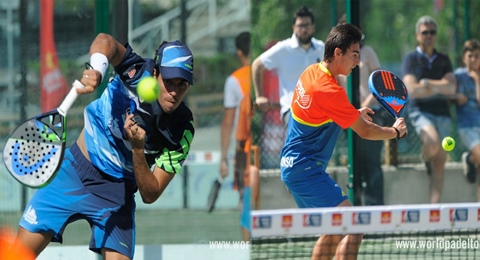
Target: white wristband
x=99, y=62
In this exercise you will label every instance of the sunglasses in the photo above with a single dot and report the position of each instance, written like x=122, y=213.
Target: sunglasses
x=431, y=32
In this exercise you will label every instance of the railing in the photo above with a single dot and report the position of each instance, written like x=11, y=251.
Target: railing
x=206, y=18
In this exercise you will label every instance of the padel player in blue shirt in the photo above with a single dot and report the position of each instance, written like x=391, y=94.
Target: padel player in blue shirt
x=126, y=145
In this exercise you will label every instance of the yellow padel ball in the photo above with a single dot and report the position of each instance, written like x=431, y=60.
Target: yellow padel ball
x=448, y=143
x=148, y=89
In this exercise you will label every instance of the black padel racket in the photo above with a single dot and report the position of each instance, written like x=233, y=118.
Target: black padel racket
x=34, y=151
x=389, y=90
x=212, y=197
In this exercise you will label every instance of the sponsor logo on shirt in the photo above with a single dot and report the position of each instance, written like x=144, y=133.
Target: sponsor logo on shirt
x=303, y=100
x=30, y=216
x=286, y=162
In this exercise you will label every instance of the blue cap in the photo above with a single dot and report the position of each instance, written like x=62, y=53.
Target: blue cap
x=175, y=61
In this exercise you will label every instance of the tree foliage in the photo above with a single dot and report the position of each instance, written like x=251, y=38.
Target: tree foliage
x=389, y=25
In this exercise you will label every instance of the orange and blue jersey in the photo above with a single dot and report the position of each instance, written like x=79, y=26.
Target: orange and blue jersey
x=320, y=110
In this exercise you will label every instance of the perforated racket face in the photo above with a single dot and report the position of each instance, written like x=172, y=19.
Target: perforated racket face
x=33, y=151
x=389, y=90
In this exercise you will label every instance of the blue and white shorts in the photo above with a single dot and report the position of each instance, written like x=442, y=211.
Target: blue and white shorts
x=443, y=124
x=470, y=136
x=80, y=191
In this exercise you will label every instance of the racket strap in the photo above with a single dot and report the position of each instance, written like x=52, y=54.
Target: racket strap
x=398, y=132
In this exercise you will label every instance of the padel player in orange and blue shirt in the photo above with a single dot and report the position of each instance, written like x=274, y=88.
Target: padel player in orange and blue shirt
x=320, y=110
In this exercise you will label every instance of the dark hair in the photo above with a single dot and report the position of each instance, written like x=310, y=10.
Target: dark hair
x=341, y=36
x=304, y=11
x=242, y=42
x=471, y=45
x=343, y=19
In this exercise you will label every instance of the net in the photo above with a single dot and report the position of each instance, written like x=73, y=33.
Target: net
x=433, y=231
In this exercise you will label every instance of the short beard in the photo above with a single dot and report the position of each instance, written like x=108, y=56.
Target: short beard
x=307, y=40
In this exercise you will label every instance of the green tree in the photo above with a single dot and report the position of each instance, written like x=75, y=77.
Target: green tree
x=389, y=25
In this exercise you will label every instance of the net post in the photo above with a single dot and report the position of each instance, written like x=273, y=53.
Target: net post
x=355, y=179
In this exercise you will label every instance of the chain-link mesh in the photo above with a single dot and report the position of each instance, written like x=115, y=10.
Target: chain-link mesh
x=270, y=135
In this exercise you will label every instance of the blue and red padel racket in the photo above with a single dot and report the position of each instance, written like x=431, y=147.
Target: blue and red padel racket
x=389, y=90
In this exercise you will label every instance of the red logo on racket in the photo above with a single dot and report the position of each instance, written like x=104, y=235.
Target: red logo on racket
x=387, y=79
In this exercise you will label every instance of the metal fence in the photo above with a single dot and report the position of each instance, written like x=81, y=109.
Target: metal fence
x=217, y=23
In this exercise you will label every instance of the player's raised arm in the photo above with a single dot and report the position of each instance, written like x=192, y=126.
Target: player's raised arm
x=104, y=50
